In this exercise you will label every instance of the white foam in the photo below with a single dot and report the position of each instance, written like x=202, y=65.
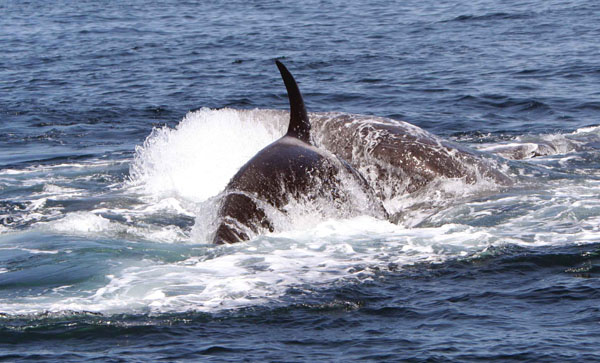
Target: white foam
x=530, y=146
x=90, y=223
x=42, y=169
x=177, y=179
x=588, y=130
x=441, y=193
x=40, y=252
x=80, y=222
x=31, y=250
x=167, y=234
x=263, y=270
x=195, y=160
x=62, y=191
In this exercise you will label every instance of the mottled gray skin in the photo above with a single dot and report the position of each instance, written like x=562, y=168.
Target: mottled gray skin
x=387, y=150
x=288, y=168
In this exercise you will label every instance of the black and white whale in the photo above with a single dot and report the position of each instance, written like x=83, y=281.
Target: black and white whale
x=288, y=169
x=337, y=156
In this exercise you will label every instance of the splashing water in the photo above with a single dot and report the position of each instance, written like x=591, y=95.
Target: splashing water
x=151, y=228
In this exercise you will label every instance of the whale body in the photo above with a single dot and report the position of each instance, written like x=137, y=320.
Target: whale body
x=289, y=169
x=335, y=157
x=399, y=153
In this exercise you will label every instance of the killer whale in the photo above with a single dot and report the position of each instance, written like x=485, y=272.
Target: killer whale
x=291, y=168
x=385, y=158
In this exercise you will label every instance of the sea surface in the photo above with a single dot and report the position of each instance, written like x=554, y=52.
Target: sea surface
x=121, y=121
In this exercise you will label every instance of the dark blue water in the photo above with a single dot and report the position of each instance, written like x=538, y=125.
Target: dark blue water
x=93, y=268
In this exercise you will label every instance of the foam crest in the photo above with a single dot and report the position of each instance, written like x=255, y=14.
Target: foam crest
x=80, y=223
x=196, y=159
x=180, y=172
x=563, y=212
x=300, y=211
x=412, y=209
x=93, y=224
x=263, y=270
x=530, y=146
x=315, y=254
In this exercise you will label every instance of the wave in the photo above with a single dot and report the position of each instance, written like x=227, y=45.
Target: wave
x=490, y=16
x=207, y=278
x=196, y=159
x=139, y=246
x=531, y=146
x=261, y=271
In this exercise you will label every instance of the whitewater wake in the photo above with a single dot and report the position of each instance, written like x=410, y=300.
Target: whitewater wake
x=144, y=241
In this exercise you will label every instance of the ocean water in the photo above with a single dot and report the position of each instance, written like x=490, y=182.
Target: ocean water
x=120, y=123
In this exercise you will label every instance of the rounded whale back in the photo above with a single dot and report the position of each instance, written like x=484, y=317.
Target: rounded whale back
x=399, y=159
x=288, y=170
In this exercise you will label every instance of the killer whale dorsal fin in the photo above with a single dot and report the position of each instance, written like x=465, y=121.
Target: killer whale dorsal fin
x=299, y=124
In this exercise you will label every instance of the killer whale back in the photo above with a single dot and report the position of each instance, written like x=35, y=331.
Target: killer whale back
x=288, y=169
x=299, y=124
